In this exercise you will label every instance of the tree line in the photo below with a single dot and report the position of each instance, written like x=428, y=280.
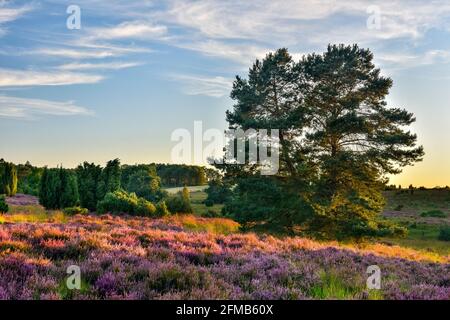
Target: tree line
x=113, y=188
x=170, y=175
x=130, y=189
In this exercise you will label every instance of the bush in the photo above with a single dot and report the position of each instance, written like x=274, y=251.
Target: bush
x=180, y=203
x=434, y=214
x=209, y=203
x=399, y=207
x=211, y=214
x=444, y=234
x=71, y=211
x=145, y=183
x=88, y=177
x=218, y=191
x=145, y=208
x=120, y=201
x=161, y=209
x=3, y=205
x=29, y=178
x=8, y=178
x=109, y=179
x=58, y=189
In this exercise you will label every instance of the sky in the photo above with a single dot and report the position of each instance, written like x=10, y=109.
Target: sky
x=135, y=71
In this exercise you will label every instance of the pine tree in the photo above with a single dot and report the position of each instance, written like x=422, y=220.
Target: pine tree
x=338, y=141
x=186, y=198
x=58, y=189
x=88, y=178
x=43, y=188
x=8, y=178
x=354, y=139
x=3, y=205
x=109, y=179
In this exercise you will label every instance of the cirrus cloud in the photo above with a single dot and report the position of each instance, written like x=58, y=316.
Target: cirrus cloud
x=16, y=78
x=25, y=108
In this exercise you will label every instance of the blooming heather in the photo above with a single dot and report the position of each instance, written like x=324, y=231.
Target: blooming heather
x=140, y=258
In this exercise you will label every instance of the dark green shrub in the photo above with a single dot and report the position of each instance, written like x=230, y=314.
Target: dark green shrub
x=75, y=210
x=145, y=208
x=88, y=177
x=118, y=202
x=180, y=203
x=413, y=225
x=218, y=191
x=161, y=209
x=3, y=205
x=8, y=178
x=434, y=214
x=29, y=178
x=209, y=203
x=211, y=214
x=174, y=204
x=58, y=189
x=399, y=207
x=143, y=180
x=444, y=234
x=109, y=178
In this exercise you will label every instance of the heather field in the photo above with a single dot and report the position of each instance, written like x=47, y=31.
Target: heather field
x=188, y=257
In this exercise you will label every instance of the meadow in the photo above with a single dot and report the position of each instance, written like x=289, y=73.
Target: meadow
x=192, y=257
x=423, y=213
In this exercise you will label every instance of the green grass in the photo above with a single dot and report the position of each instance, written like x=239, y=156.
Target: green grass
x=32, y=213
x=434, y=213
x=419, y=201
x=67, y=294
x=423, y=213
x=421, y=236
x=333, y=287
x=211, y=225
x=190, y=188
x=197, y=199
x=198, y=196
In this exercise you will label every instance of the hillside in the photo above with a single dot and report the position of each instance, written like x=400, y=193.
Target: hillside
x=423, y=213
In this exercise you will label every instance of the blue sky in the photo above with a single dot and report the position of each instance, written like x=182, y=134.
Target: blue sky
x=137, y=70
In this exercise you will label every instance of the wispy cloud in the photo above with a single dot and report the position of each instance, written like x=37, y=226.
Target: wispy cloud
x=15, y=78
x=236, y=19
x=10, y=14
x=100, y=43
x=25, y=108
x=202, y=85
x=240, y=53
x=74, y=53
x=405, y=60
x=99, y=66
x=236, y=30
x=129, y=30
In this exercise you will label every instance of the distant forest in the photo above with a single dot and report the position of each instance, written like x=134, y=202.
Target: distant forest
x=171, y=175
